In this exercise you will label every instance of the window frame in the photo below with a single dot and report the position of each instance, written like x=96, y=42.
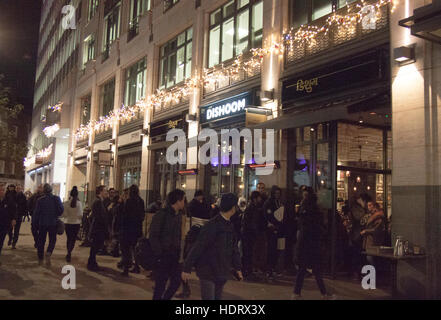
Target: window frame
x=168, y=4
x=135, y=14
x=107, y=42
x=163, y=77
x=92, y=8
x=237, y=12
x=134, y=76
x=103, y=94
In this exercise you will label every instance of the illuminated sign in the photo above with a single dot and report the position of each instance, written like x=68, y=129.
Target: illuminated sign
x=225, y=108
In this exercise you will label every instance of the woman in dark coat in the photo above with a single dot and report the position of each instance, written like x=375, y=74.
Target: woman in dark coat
x=308, y=244
x=131, y=228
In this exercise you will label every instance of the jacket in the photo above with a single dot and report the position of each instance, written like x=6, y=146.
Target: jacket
x=215, y=252
x=357, y=213
x=72, y=215
x=22, y=207
x=47, y=211
x=32, y=202
x=7, y=213
x=99, y=223
x=270, y=207
x=251, y=219
x=166, y=232
x=309, y=234
x=199, y=210
x=131, y=220
x=375, y=232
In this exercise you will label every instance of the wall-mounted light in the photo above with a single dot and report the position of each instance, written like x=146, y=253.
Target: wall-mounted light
x=144, y=132
x=88, y=148
x=191, y=118
x=405, y=54
x=112, y=142
x=266, y=96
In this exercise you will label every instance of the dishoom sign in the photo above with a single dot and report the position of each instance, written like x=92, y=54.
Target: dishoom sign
x=226, y=108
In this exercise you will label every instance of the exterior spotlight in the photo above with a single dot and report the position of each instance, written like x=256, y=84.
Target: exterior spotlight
x=266, y=96
x=144, y=132
x=191, y=118
x=405, y=55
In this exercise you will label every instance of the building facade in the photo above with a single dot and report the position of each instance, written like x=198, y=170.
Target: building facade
x=348, y=118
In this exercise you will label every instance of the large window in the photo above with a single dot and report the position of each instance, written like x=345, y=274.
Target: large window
x=135, y=83
x=306, y=11
x=169, y=3
x=107, y=97
x=137, y=9
x=235, y=28
x=175, y=64
x=89, y=49
x=111, y=27
x=92, y=8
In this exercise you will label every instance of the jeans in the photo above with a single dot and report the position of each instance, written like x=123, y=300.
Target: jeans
x=272, y=252
x=15, y=232
x=71, y=233
x=167, y=269
x=34, y=230
x=96, y=245
x=301, y=276
x=211, y=290
x=3, y=232
x=42, y=235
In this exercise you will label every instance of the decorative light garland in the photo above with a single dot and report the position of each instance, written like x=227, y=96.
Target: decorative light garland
x=50, y=131
x=243, y=63
x=41, y=154
x=56, y=108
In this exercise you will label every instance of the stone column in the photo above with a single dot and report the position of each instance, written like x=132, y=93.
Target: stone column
x=416, y=90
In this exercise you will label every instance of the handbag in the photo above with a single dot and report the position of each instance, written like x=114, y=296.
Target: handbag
x=60, y=227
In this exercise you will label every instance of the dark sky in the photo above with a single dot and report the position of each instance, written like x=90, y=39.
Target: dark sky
x=19, y=25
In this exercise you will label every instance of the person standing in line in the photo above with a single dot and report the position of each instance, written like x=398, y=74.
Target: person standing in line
x=274, y=229
x=32, y=204
x=73, y=214
x=98, y=228
x=8, y=217
x=215, y=252
x=250, y=225
x=165, y=239
x=28, y=195
x=308, y=244
x=11, y=196
x=261, y=189
x=49, y=208
x=131, y=229
x=21, y=205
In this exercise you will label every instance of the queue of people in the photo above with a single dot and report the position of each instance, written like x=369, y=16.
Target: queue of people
x=231, y=237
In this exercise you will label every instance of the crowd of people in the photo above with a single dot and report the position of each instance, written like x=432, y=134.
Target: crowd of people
x=249, y=240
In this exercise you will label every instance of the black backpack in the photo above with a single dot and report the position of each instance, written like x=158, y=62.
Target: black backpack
x=144, y=254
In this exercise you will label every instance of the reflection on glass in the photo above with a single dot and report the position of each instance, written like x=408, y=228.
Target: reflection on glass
x=321, y=8
x=302, y=168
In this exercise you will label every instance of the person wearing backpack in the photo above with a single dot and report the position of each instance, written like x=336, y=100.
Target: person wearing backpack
x=49, y=208
x=165, y=240
x=215, y=252
x=131, y=228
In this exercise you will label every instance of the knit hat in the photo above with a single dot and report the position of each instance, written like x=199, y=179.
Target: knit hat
x=228, y=201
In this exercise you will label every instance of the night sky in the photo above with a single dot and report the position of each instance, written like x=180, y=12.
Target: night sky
x=19, y=25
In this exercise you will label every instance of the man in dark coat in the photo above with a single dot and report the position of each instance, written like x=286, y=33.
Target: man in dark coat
x=11, y=197
x=131, y=228
x=98, y=228
x=198, y=208
x=274, y=229
x=215, y=252
x=21, y=205
x=8, y=217
x=32, y=203
x=49, y=208
x=165, y=239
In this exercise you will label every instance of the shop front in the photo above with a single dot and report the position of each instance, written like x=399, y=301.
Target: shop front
x=129, y=159
x=222, y=176
x=336, y=124
x=165, y=176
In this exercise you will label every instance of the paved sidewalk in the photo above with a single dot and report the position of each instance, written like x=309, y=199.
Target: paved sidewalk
x=22, y=278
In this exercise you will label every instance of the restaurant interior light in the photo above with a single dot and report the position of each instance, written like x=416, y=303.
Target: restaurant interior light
x=404, y=54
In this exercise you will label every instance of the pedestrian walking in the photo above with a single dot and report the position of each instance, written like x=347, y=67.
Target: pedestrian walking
x=73, y=214
x=22, y=209
x=131, y=229
x=32, y=204
x=215, y=252
x=165, y=239
x=49, y=208
x=308, y=243
x=11, y=196
x=28, y=195
x=98, y=228
x=8, y=217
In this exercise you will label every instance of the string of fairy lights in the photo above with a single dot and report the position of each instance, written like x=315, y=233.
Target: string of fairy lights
x=356, y=13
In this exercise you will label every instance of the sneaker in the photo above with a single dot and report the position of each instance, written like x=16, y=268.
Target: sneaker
x=296, y=297
x=48, y=259
x=329, y=297
x=13, y=246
